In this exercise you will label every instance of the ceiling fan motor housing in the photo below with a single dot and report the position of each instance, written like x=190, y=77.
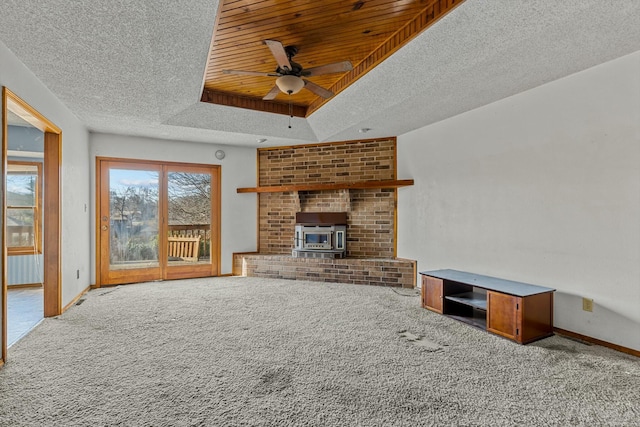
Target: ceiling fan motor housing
x=296, y=69
x=291, y=51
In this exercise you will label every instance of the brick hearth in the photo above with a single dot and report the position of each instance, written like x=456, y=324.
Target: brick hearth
x=361, y=271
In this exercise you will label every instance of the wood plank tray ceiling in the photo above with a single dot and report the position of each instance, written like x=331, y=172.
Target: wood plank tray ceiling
x=364, y=32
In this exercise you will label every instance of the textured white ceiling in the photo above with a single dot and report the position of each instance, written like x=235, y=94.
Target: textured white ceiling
x=136, y=66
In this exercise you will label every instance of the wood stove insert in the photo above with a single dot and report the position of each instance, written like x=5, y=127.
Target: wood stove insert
x=320, y=235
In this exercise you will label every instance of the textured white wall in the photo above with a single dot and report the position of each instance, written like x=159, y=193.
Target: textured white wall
x=542, y=187
x=238, y=169
x=75, y=169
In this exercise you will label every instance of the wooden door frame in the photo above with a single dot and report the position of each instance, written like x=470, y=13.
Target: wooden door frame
x=51, y=241
x=215, y=211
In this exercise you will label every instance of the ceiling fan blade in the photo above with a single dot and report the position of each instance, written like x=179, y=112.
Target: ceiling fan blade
x=272, y=94
x=278, y=52
x=337, y=67
x=318, y=90
x=251, y=73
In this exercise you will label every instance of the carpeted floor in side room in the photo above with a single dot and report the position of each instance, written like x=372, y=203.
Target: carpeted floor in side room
x=259, y=352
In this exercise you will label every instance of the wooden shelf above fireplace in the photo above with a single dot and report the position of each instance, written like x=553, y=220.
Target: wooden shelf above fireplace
x=360, y=185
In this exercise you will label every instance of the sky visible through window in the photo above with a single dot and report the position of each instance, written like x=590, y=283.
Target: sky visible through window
x=121, y=179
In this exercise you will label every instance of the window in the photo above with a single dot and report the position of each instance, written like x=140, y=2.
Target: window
x=24, y=183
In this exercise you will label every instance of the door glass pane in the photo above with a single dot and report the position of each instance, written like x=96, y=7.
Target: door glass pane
x=189, y=218
x=134, y=213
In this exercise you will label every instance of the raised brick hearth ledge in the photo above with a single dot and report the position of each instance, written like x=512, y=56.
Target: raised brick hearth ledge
x=397, y=272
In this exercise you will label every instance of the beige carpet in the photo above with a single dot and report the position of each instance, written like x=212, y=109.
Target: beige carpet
x=259, y=352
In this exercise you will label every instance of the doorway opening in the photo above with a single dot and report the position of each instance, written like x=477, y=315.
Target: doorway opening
x=38, y=223
x=23, y=197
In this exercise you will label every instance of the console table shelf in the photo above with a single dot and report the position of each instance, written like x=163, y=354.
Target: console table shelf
x=474, y=299
x=515, y=310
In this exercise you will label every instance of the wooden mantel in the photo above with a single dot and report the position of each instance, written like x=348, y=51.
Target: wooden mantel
x=328, y=186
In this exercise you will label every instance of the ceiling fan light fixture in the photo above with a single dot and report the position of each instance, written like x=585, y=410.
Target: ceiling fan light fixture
x=289, y=84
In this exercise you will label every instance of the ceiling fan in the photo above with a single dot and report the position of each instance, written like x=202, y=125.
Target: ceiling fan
x=290, y=74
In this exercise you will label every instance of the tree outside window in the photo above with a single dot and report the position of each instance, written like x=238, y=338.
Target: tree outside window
x=24, y=200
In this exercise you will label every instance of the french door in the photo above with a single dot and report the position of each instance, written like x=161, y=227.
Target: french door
x=156, y=221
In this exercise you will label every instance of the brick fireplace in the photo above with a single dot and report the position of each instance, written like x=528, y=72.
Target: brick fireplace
x=329, y=177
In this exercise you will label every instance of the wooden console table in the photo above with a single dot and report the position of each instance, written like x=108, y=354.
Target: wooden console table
x=517, y=311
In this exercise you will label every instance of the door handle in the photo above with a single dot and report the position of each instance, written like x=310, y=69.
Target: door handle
x=104, y=228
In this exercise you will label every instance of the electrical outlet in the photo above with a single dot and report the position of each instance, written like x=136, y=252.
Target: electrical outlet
x=587, y=304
